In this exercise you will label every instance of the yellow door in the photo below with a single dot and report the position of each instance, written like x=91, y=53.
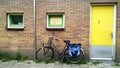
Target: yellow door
x=101, y=36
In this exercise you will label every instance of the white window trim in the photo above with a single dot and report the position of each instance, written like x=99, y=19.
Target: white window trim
x=8, y=21
x=55, y=27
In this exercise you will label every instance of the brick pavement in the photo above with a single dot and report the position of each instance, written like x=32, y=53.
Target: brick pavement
x=32, y=64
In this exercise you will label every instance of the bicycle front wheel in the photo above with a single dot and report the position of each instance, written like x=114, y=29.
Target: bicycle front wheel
x=74, y=60
x=44, y=53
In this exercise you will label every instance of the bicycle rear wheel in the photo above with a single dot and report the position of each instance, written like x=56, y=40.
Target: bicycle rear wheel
x=74, y=60
x=44, y=53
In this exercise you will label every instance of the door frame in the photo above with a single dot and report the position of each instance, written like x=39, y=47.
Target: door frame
x=114, y=34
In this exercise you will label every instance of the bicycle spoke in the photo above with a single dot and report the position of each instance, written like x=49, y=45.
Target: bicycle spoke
x=45, y=53
x=72, y=59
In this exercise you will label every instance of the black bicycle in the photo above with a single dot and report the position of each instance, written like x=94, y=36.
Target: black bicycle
x=73, y=53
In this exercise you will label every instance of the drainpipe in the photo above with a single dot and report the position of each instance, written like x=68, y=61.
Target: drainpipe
x=34, y=13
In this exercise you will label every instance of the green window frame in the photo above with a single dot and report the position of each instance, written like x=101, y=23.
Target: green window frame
x=15, y=21
x=55, y=21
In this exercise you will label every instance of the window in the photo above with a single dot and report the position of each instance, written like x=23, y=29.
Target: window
x=15, y=21
x=55, y=21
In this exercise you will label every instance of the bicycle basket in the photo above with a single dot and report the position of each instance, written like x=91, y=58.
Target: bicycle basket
x=74, y=49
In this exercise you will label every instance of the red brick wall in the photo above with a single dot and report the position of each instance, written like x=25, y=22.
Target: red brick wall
x=118, y=33
x=77, y=20
x=17, y=40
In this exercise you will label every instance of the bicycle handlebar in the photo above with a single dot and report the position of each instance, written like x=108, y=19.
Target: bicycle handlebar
x=53, y=37
x=57, y=39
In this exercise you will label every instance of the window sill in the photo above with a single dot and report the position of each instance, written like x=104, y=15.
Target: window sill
x=55, y=28
x=15, y=28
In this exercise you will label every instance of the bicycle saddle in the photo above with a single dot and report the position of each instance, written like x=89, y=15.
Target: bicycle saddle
x=66, y=41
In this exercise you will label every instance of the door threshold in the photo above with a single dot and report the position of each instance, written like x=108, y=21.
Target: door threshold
x=101, y=59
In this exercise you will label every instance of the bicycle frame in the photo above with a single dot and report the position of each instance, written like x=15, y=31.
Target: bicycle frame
x=55, y=49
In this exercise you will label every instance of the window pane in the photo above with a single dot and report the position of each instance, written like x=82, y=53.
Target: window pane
x=16, y=19
x=56, y=21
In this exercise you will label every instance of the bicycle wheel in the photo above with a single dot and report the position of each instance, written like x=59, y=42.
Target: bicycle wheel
x=74, y=60
x=44, y=53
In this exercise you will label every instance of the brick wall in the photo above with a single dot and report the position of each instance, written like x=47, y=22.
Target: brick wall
x=17, y=40
x=77, y=21
x=118, y=33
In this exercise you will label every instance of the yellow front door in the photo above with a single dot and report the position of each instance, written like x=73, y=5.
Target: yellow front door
x=101, y=36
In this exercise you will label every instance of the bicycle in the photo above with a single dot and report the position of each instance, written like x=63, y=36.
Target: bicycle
x=46, y=52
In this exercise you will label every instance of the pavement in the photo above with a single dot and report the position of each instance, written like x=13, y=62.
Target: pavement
x=32, y=64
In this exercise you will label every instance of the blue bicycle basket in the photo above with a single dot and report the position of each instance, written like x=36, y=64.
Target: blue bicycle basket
x=74, y=49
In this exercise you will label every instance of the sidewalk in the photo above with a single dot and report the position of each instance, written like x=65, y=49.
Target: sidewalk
x=32, y=64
